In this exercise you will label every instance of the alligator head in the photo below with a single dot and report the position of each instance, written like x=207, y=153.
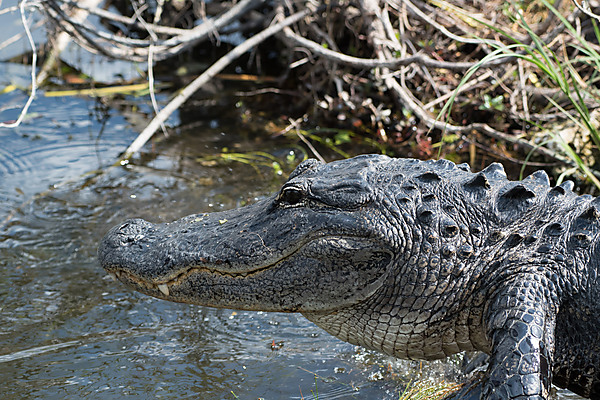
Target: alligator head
x=312, y=247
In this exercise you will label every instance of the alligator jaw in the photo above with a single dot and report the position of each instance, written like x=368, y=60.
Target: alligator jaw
x=167, y=288
x=342, y=266
x=153, y=289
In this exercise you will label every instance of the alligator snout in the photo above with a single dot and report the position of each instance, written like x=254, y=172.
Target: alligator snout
x=123, y=240
x=129, y=232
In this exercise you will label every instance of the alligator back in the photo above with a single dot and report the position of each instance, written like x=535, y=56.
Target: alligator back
x=515, y=270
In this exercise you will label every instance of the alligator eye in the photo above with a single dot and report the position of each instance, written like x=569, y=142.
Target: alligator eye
x=290, y=196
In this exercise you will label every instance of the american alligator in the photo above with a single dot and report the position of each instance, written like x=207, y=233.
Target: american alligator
x=417, y=259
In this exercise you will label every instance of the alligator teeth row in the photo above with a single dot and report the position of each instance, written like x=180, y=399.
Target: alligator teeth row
x=164, y=289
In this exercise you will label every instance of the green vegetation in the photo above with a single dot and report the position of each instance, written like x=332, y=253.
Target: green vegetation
x=561, y=71
x=428, y=390
x=256, y=159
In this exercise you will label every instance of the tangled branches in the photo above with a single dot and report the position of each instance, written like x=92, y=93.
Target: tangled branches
x=162, y=41
x=394, y=67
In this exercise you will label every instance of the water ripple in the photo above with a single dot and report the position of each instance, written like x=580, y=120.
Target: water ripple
x=11, y=163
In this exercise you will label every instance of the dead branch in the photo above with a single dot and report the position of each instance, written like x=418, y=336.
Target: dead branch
x=372, y=63
x=131, y=49
x=371, y=8
x=210, y=73
x=22, y=7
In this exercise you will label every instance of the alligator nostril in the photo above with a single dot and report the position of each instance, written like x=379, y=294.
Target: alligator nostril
x=132, y=231
x=125, y=240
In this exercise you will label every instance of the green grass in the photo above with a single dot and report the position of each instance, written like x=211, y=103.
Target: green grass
x=258, y=159
x=556, y=71
x=421, y=390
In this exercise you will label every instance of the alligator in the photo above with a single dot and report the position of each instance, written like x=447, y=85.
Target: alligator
x=416, y=259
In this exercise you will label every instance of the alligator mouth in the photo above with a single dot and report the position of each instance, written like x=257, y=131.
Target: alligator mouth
x=167, y=284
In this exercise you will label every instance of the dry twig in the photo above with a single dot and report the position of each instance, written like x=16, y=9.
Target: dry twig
x=213, y=70
x=22, y=7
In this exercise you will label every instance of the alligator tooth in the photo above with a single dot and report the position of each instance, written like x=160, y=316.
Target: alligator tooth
x=113, y=276
x=164, y=289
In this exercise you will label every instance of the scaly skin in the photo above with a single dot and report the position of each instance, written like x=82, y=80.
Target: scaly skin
x=416, y=259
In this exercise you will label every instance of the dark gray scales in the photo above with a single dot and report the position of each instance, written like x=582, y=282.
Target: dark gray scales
x=416, y=259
